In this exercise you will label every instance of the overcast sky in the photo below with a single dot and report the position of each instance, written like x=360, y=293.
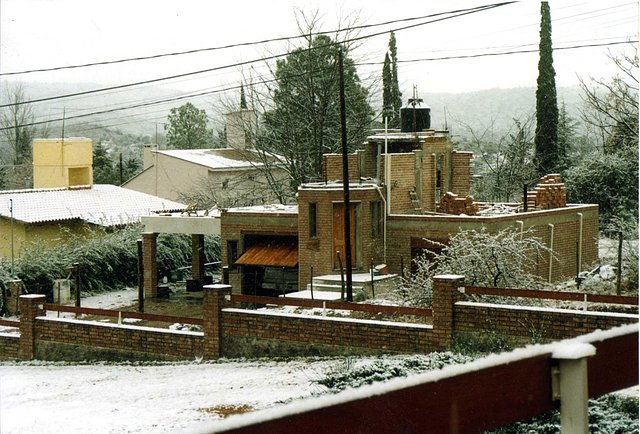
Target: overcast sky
x=50, y=33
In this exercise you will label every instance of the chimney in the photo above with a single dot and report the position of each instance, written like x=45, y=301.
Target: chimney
x=241, y=126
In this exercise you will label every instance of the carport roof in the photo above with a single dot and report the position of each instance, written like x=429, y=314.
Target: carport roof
x=274, y=254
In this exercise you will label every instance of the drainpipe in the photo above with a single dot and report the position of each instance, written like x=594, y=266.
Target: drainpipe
x=520, y=223
x=551, y=229
x=387, y=171
x=580, y=220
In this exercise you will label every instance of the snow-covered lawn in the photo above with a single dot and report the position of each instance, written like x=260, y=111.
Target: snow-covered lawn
x=109, y=398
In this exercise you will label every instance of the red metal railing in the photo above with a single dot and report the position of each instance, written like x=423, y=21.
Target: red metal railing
x=371, y=308
x=123, y=314
x=552, y=295
x=483, y=395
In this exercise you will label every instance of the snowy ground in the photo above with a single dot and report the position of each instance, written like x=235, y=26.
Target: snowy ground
x=122, y=398
x=54, y=398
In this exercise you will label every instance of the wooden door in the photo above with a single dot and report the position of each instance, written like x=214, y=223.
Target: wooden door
x=338, y=235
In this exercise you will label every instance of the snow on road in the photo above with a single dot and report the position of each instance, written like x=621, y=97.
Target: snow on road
x=110, y=398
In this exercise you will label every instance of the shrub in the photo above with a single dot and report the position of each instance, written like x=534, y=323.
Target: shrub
x=108, y=259
x=504, y=259
x=352, y=374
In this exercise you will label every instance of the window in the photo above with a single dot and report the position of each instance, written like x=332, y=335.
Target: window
x=313, y=220
x=377, y=222
x=232, y=253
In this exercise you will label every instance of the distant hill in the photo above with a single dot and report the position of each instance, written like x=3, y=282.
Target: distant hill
x=478, y=110
x=475, y=110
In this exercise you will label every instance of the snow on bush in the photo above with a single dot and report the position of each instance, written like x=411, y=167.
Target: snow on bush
x=355, y=373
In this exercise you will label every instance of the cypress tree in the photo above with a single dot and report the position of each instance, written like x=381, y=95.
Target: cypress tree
x=243, y=98
x=546, y=138
x=396, y=95
x=387, y=103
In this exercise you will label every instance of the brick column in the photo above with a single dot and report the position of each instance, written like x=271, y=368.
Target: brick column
x=149, y=264
x=445, y=294
x=197, y=257
x=212, y=304
x=31, y=306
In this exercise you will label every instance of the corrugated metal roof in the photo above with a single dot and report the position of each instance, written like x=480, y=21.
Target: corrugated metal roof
x=270, y=255
x=224, y=158
x=104, y=205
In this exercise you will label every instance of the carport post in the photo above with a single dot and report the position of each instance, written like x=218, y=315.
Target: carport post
x=140, y=278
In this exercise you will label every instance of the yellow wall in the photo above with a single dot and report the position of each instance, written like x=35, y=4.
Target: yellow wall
x=51, y=233
x=62, y=163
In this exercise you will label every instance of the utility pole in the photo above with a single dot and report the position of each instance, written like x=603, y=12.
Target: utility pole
x=345, y=180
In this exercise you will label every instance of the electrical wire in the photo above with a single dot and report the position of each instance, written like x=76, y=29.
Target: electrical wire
x=229, y=88
x=262, y=59
x=241, y=44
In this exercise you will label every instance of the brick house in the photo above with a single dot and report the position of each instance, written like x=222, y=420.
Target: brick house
x=407, y=189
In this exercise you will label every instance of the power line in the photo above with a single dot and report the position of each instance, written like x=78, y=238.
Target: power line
x=454, y=14
x=229, y=88
x=222, y=47
x=503, y=53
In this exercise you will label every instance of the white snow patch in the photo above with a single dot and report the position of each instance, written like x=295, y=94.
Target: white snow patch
x=328, y=318
x=123, y=326
x=548, y=309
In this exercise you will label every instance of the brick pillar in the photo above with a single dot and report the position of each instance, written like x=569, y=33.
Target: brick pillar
x=13, y=296
x=212, y=305
x=31, y=306
x=197, y=257
x=149, y=264
x=445, y=294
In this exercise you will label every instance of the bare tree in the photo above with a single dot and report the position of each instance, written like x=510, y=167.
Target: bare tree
x=612, y=106
x=505, y=162
x=18, y=132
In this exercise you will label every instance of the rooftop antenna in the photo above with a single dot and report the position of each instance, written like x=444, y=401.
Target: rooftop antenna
x=415, y=101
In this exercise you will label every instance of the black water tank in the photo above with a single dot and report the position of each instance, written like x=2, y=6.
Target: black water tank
x=423, y=119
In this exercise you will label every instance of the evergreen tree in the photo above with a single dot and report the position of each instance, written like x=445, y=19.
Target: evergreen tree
x=396, y=95
x=566, y=137
x=243, y=98
x=304, y=121
x=387, y=103
x=103, y=169
x=546, y=137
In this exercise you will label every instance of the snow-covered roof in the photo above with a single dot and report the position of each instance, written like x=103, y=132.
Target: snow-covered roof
x=273, y=208
x=104, y=205
x=224, y=158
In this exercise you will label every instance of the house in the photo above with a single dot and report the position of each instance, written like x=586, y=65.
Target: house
x=407, y=188
x=65, y=200
x=233, y=175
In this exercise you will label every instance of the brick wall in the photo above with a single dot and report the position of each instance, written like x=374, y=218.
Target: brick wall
x=332, y=335
x=318, y=253
x=333, y=167
x=461, y=172
x=428, y=182
x=9, y=346
x=566, y=221
x=67, y=336
x=532, y=322
x=402, y=181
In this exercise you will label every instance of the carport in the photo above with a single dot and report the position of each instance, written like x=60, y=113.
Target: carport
x=195, y=224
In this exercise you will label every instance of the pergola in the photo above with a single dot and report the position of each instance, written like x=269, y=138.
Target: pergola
x=197, y=225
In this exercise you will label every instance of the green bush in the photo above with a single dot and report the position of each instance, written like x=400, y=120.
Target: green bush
x=107, y=259
x=609, y=414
